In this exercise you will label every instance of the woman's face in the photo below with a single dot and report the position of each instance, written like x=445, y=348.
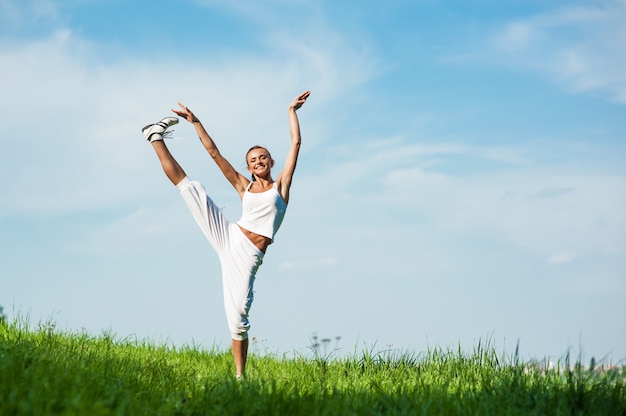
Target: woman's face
x=259, y=161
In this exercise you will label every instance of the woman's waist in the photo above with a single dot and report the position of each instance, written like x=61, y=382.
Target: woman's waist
x=260, y=241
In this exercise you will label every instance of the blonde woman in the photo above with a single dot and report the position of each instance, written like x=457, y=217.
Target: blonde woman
x=240, y=245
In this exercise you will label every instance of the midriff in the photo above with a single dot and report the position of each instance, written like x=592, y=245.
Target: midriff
x=260, y=241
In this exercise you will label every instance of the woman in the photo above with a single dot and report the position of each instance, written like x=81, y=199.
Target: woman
x=240, y=246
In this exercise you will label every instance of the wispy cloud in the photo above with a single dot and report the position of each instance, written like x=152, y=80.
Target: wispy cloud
x=583, y=47
x=16, y=15
x=539, y=207
x=67, y=104
x=562, y=257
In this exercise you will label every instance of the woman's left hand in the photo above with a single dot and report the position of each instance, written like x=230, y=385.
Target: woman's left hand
x=299, y=100
x=185, y=113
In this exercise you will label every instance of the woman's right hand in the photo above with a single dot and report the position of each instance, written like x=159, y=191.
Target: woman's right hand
x=185, y=113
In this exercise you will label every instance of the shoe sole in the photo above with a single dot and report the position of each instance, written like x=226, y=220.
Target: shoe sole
x=167, y=125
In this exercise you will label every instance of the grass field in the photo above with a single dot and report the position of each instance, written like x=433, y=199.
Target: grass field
x=46, y=372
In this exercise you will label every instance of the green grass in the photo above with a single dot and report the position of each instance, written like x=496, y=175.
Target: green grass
x=46, y=372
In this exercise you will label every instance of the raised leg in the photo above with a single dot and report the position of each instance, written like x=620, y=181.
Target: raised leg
x=170, y=166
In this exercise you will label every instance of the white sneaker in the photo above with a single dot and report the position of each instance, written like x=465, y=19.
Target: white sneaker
x=160, y=129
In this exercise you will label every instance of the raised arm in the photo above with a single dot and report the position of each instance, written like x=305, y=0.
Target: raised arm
x=236, y=179
x=283, y=182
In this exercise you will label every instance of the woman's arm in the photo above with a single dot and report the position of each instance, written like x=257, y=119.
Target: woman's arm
x=236, y=179
x=283, y=182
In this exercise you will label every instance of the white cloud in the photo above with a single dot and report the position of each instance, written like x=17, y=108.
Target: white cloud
x=15, y=14
x=516, y=36
x=328, y=261
x=75, y=131
x=584, y=48
x=540, y=209
x=262, y=10
x=616, y=250
x=287, y=265
x=132, y=232
x=562, y=257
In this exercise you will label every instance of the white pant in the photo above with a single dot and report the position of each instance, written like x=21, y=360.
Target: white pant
x=239, y=258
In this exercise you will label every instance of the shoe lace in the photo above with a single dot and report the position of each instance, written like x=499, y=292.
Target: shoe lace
x=168, y=134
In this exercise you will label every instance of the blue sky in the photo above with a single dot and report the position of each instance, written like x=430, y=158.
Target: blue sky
x=461, y=175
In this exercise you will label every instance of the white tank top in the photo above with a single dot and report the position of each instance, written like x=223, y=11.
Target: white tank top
x=262, y=213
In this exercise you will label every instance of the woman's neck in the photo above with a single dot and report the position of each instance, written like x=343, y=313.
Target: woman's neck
x=262, y=183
